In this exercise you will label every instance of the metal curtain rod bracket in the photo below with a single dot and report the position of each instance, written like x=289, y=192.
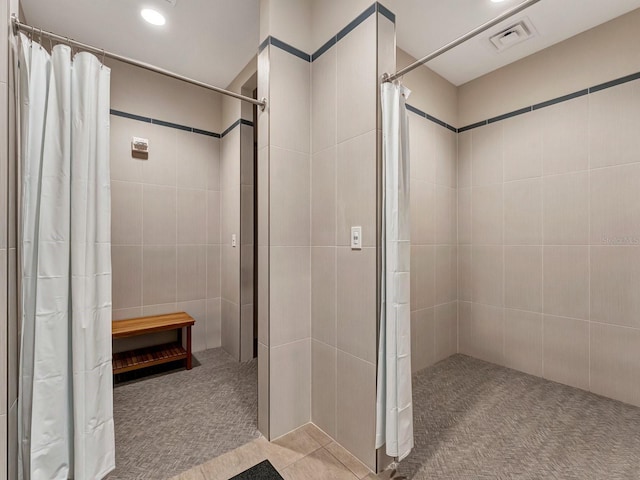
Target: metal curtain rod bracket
x=460, y=40
x=18, y=26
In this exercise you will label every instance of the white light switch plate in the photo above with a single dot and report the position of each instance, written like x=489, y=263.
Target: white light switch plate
x=233, y=240
x=356, y=238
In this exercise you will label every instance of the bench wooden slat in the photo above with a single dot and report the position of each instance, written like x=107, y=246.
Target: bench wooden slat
x=143, y=325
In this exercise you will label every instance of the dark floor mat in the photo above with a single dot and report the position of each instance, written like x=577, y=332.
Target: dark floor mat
x=262, y=471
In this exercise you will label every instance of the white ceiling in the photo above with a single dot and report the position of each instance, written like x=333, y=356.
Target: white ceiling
x=425, y=25
x=212, y=40
x=209, y=40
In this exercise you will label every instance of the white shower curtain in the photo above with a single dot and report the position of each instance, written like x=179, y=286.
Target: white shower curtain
x=66, y=394
x=394, y=413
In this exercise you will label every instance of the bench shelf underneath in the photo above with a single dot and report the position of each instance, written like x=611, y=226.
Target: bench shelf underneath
x=147, y=357
x=157, y=354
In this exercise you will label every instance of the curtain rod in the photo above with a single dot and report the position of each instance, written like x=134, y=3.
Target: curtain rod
x=19, y=26
x=467, y=36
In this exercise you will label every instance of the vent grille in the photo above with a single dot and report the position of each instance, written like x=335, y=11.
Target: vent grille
x=513, y=35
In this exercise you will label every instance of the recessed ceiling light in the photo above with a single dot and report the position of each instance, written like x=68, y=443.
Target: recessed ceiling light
x=152, y=16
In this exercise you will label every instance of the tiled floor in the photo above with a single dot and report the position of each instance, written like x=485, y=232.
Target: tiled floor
x=168, y=423
x=304, y=454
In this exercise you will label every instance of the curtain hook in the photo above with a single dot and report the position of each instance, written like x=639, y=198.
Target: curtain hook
x=40, y=37
x=102, y=63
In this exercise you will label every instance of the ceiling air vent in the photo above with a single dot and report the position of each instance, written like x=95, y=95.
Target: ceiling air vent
x=513, y=35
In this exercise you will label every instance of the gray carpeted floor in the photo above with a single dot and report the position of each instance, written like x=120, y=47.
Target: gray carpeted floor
x=173, y=421
x=475, y=420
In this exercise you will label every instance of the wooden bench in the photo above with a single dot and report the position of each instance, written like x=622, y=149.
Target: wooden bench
x=157, y=354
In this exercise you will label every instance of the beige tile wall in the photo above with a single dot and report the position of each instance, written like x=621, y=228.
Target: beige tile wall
x=166, y=244
x=434, y=262
x=549, y=242
x=344, y=193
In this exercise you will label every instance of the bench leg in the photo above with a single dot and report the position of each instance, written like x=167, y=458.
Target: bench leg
x=189, y=348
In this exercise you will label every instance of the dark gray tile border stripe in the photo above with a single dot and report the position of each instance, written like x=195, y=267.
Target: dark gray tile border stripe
x=289, y=49
x=472, y=126
x=510, y=114
x=164, y=123
x=385, y=12
x=130, y=116
x=613, y=83
x=241, y=121
x=356, y=21
x=431, y=118
x=324, y=48
x=172, y=125
x=554, y=101
x=561, y=99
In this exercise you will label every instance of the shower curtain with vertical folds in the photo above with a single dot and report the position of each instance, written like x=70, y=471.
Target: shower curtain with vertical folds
x=66, y=395
x=394, y=407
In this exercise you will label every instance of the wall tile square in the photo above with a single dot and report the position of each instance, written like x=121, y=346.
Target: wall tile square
x=566, y=209
x=290, y=387
x=290, y=85
x=566, y=281
x=465, y=328
x=523, y=212
x=487, y=154
x=213, y=166
x=323, y=198
x=615, y=209
x=486, y=215
x=357, y=188
x=615, y=362
x=565, y=148
x=423, y=207
x=159, y=275
x=446, y=330
x=464, y=273
x=421, y=149
x=615, y=285
x=290, y=200
x=194, y=152
x=446, y=215
x=324, y=101
x=213, y=217
x=566, y=351
x=192, y=273
x=488, y=333
x=192, y=216
x=523, y=341
x=126, y=213
x=446, y=157
x=357, y=86
x=127, y=276
x=160, y=167
x=356, y=412
x=464, y=159
x=446, y=278
x=323, y=294
x=356, y=305
x=214, y=318
x=324, y=359
x=523, y=278
x=614, y=116
x=486, y=276
x=230, y=328
x=523, y=147
x=464, y=216
x=290, y=294
x=423, y=347
x=423, y=276
x=159, y=215
x=230, y=273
